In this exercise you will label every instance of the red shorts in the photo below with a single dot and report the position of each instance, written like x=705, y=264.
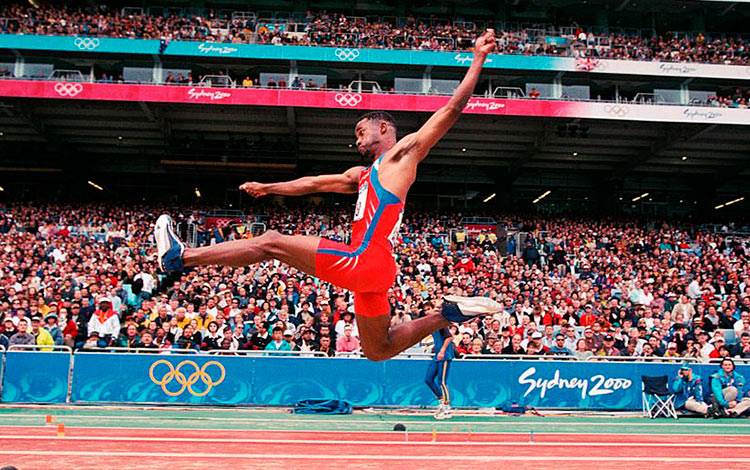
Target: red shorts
x=368, y=272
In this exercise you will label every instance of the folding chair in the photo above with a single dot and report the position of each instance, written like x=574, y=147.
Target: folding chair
x=657, y=399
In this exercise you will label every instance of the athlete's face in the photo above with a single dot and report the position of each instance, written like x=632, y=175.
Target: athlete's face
x=369, y=133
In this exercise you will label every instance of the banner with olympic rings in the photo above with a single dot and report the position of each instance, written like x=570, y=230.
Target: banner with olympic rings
x=159, y=378
x=368, y=101
x=372, y=56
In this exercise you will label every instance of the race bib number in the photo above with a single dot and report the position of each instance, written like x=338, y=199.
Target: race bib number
x=359, y=209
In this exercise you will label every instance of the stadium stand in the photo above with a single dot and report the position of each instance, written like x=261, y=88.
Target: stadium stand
x=631, y=288
x=339, y=30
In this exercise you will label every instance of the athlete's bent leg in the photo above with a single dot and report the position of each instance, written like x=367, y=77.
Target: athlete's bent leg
x=295, y=250
x=380, y=340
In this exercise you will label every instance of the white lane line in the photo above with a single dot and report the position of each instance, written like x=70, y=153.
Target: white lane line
x=490, y=421
x=341, y=457
x=398, y=433
x=209, y=440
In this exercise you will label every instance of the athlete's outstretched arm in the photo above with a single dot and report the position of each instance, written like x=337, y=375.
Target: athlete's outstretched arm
x=418, y=145
x=345, y=183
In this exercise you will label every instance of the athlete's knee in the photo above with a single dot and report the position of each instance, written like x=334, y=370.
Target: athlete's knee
x=377, y=353
x=270, y=242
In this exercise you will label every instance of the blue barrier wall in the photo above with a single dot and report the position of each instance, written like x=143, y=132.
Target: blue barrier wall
x=33, y=377
x=146, y=378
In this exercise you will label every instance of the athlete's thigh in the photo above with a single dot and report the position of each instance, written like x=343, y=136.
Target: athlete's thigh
x=297, y=251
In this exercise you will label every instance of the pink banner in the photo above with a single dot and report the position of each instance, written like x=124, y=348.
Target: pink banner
x=266, y=97
x=367, y=101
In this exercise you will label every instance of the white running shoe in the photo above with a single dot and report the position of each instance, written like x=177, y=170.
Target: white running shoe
x=442, y=412
x=458, y=309
x=169, y=247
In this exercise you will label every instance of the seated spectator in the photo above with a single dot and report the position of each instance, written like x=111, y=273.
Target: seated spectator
x=212, y=338
x=50, y=325
x=608, y=348
x=21, y=336
x=742, y=348
x=324, y=346
x=147, y=341
x=94, y=341
x=278, y=343
x=348, y=342
x=129, y=339
x=582, y=351
x=688, y=390
x=728, y=391
x=188, y=340
x=671, y=350
x=514, y=347
x=559, y=349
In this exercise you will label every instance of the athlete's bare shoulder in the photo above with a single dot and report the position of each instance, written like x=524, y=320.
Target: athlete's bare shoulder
x=397, y=171
x=402, y=148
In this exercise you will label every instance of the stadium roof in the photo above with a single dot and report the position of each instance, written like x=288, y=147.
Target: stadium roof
x=529, y=153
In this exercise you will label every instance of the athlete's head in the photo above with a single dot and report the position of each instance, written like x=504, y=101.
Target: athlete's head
x=375, y=132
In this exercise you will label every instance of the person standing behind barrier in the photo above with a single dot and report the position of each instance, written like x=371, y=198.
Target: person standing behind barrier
x=728, y=391
x=105, y=322
x=22, y=336
x=437, y=372
x=50, y=324
x=41, y=335
x=688, y=390
x=7, y=329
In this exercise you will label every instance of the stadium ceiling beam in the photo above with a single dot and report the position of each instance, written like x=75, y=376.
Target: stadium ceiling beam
x=540, y=140
x=729, y=8
x=157, y=117
x=147, y=111
x=291, y=119
x=26, y=112
x=665, y=140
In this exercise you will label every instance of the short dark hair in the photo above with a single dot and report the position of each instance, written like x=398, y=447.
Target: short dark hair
x=278, y=328
x=379, y=116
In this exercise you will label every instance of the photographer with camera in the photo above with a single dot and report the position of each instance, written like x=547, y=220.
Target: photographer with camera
x=688, y=392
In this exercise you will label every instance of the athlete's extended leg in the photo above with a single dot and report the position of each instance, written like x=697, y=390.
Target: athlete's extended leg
x=295, y=250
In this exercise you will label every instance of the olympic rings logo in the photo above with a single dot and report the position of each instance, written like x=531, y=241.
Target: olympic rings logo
x=616, y=110
x=68, y=89
x=176, y=374
x=346, y=54
x=348, y=99
x=86, y=43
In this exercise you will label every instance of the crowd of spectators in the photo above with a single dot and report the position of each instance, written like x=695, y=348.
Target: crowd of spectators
x=336, y=29
x=85, y=276
x=739, y=98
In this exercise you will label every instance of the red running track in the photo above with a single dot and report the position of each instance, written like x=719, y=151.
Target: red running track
x=39, y=448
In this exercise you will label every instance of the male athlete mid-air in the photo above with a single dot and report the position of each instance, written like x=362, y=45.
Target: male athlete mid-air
x=366, y=266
